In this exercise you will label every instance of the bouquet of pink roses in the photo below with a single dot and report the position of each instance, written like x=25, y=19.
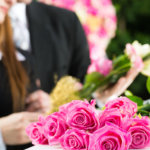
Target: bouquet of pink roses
x=79, y=126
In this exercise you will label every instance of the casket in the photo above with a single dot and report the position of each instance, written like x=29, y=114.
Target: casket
x=44, y=147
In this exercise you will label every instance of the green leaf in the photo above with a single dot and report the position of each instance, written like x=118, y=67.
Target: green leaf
x=145, y=107
x=93, y=77
x=128, y=93
x=120, y=61
x=136, y=99
x=148, y=84
x=144, y=113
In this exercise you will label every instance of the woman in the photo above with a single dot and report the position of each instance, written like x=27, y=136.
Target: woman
x=57, y=47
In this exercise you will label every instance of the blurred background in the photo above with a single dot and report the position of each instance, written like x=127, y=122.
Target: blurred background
x=133, y=24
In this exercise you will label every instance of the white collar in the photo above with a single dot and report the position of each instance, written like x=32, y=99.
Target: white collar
x=18, y=12
x=19, y=23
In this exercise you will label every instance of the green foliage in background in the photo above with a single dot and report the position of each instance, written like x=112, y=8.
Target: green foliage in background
x=148, y=85
x=133, y=24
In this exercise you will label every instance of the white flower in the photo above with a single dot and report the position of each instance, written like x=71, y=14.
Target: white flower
x=141, y=50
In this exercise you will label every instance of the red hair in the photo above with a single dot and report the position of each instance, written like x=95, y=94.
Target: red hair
x=18, y=78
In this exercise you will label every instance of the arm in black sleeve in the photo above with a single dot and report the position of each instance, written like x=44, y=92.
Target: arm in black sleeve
x=80, y=56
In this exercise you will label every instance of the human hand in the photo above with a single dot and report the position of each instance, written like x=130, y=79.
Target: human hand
x=38, y=101
x=116, y=90
x=13, y=127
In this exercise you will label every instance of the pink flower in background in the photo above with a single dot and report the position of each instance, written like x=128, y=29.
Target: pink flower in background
x=102, y=32
x=36, y=134
x=54, y=127
x=135, y=58
x=92, y=10
x=91, y=68
x=111, y=116
x=74, y=139
x=86, y=29
x=126, y=107
x=139, y=63
x=139, y=128
x=106, y=2
x=81, y=115
x=87, y=2
x=98, y=18
x=103, y=66
x=109, y=137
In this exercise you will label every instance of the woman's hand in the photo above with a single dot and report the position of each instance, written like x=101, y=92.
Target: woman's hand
x=13, y=127
x=117, y=89
x=38, y=101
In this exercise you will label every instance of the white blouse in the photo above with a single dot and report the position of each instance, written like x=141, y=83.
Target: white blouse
x=21, y=35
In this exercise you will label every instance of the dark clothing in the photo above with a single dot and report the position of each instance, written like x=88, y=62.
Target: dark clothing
x=59, y=48
x=58, y=44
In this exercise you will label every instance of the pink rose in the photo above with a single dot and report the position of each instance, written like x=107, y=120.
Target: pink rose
x=140, y=132
x=109, y=137
x=112, y=116
x=125, y=105
x=81, y=115
x=103, y=66
x=75, y=139
x=55, y=126
x=35, y=133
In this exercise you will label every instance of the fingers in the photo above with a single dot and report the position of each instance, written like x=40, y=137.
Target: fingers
x=37, y=96
x=30, y=116
x=14, y=125
x=34, y=107
x=33, y=97
x=38, y=101
x=124, y=82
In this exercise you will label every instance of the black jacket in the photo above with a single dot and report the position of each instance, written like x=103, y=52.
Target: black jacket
x=58, y=44
x=59, y=48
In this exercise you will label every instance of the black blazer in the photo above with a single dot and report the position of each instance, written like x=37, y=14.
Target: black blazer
x=58, y=43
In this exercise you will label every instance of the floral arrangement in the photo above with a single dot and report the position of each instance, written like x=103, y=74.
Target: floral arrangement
x=79, y=126
x=101, y=74
x=143, y=106
x=98, y=18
